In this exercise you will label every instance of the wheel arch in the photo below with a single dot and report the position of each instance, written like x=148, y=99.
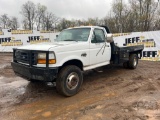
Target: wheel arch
x=135, y=52
x=75, y=62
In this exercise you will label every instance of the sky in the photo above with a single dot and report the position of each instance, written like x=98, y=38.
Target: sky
x=69, y=9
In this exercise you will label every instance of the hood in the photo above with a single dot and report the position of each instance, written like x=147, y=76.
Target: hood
x=46, y=46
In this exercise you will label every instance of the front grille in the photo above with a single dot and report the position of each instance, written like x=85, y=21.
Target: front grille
x=25, y=56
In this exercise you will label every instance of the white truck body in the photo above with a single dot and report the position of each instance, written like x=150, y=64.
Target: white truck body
x=73, y=50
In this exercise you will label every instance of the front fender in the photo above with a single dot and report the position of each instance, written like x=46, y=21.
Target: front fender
x=69, y=58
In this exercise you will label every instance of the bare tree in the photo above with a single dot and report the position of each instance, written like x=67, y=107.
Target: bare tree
x=4, y=20
x=64, y=23
x=156, y=25
x=93, y=21
x=14, y=23
x=25, y=24
x=120, y=13
x=137, y=15
x=49, y=20
x=29, y=13
x=41, y=10
x=143, y=11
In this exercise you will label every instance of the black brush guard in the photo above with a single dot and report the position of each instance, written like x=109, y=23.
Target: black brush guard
x=24, y=64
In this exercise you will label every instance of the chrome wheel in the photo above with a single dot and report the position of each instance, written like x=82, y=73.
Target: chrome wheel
x=72, y=81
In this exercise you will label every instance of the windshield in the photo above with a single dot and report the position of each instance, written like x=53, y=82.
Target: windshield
x=75, y=34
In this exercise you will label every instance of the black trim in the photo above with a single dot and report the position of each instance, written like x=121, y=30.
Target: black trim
x=30, y=56
x=121, y=54
x=27, y=72
x=106, y=28
x=24, y=64
x=47, y=59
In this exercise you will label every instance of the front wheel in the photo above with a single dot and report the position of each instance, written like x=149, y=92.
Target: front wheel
x=69, y=80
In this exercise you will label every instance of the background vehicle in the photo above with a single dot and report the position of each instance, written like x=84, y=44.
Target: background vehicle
x=74, y=51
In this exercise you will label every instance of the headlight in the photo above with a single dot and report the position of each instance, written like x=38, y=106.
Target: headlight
x=41, y=55
x=42, y=58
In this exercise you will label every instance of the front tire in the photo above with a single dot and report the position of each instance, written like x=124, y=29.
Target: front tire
x=69, y=80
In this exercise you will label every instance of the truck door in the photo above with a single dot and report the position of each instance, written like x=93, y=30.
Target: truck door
x=100, y=51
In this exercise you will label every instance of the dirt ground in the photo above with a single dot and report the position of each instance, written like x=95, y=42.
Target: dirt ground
x=113, y=94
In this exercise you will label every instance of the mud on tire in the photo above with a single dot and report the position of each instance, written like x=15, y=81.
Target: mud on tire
x=69, y=80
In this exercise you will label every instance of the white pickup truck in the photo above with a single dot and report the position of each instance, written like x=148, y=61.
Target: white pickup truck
x=75, y=50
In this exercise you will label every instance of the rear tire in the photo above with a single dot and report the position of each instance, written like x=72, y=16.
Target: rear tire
x=133, y=61
x=69, y=80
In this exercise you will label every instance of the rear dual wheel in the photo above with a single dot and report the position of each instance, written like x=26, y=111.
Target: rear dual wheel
x=132, y=63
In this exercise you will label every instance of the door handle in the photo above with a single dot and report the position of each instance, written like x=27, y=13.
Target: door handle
x=84, y=54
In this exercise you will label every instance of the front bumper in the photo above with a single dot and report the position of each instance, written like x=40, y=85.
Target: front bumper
x=43, y=74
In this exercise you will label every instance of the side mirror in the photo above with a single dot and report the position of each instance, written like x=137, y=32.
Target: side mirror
x=109, y=38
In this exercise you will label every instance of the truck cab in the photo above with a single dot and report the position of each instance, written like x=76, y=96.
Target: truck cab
x=85, y=44
x=75, y=50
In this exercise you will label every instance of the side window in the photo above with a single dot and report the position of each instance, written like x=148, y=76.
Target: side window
x=98, y=36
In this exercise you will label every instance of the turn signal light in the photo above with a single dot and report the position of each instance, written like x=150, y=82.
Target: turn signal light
x=43, y=61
